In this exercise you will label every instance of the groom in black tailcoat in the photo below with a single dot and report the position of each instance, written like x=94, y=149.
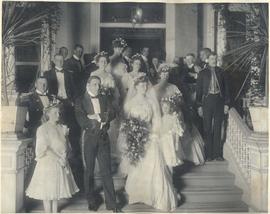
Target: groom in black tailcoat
x=94, y=114
x=212, y=96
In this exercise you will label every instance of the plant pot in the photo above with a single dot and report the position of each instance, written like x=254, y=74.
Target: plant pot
x=259, y=118
x=13, y=119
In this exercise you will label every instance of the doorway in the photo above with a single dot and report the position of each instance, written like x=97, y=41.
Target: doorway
x=136, y=39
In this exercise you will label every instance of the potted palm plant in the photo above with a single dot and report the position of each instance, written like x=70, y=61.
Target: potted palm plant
x=22, y=24
x=251, y=59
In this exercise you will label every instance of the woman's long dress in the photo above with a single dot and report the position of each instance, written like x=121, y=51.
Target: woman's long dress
x=192, y=142
x=150, y=181
x=170, y=133
x=51, y=181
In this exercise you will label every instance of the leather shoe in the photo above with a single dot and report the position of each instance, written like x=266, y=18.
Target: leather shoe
x=117, y=210
x=219, y=159
x=92, y=207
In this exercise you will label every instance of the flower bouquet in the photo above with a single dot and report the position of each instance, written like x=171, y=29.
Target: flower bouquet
x=175, y=100
x=137, y=135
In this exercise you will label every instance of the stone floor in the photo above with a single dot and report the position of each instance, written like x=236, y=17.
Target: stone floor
x=207, y=188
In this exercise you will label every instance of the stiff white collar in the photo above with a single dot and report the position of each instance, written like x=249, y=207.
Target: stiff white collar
x=190, y=66
x=91, y=94
x=77, y=58
x=58, y=68
x=40, y=93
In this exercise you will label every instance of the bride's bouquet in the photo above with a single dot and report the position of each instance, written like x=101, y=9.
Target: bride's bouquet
x=137, y=134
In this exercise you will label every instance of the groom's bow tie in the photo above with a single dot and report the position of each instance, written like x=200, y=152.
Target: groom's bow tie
x=42, y=95
x=59, y=71
x=94, y=97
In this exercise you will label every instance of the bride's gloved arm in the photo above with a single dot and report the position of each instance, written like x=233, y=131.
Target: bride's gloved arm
x=131, y=91
x=156, y=119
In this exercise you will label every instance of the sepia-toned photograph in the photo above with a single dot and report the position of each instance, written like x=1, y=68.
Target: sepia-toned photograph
x=127, y=107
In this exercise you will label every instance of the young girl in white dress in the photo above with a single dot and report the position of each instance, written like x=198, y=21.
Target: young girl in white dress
x=170, y=133
x=52, y=179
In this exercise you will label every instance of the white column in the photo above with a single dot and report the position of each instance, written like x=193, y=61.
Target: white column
x=208, y=26
x=170, y=32
x=45, y=57
x=221, y=38
x=94, y=27
x=259, y=172
x=12, y=173
x=9, y=75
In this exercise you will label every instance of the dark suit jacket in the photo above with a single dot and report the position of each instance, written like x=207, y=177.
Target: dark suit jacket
x=187, y=78
x=84, y=107
x=176, y=77
x=145, y=67
x=53, y=83
x=75, y=67
x=203, y=82
x=35, y=108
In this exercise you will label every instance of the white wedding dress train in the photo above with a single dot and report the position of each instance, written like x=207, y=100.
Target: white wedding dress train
x=150, y=181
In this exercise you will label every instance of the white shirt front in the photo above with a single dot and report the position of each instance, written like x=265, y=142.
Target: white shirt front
x=95, y=102
x=44, y=98
x=61, y=83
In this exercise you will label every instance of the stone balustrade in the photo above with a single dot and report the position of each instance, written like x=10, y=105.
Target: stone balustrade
x=247, y=154
x=16, y=156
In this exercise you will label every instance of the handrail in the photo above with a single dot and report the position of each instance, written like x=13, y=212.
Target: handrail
x=243, y=142
x=234, y=114
x=237, y=135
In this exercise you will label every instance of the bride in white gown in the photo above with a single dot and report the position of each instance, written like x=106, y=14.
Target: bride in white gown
x=149, y=181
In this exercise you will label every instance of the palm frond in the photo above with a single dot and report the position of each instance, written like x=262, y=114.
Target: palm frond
x=22, y=23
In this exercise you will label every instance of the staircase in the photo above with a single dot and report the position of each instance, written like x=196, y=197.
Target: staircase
x=207, y=188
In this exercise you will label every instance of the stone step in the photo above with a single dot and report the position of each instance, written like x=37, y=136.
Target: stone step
x=237, y=206
x=205, y=179
x=207, y=188
x=189, y=179
x=79, y=205
x=212, y=166
x=200, y=194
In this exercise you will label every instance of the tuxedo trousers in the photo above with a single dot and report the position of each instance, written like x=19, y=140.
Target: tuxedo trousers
x=213, y=115
x=95, y=146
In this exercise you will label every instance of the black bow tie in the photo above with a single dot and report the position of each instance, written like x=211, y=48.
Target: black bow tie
x=94, y=97
x=41, y=94
x=60, y=71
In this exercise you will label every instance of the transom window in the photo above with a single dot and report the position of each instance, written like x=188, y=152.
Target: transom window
x=122, y=12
